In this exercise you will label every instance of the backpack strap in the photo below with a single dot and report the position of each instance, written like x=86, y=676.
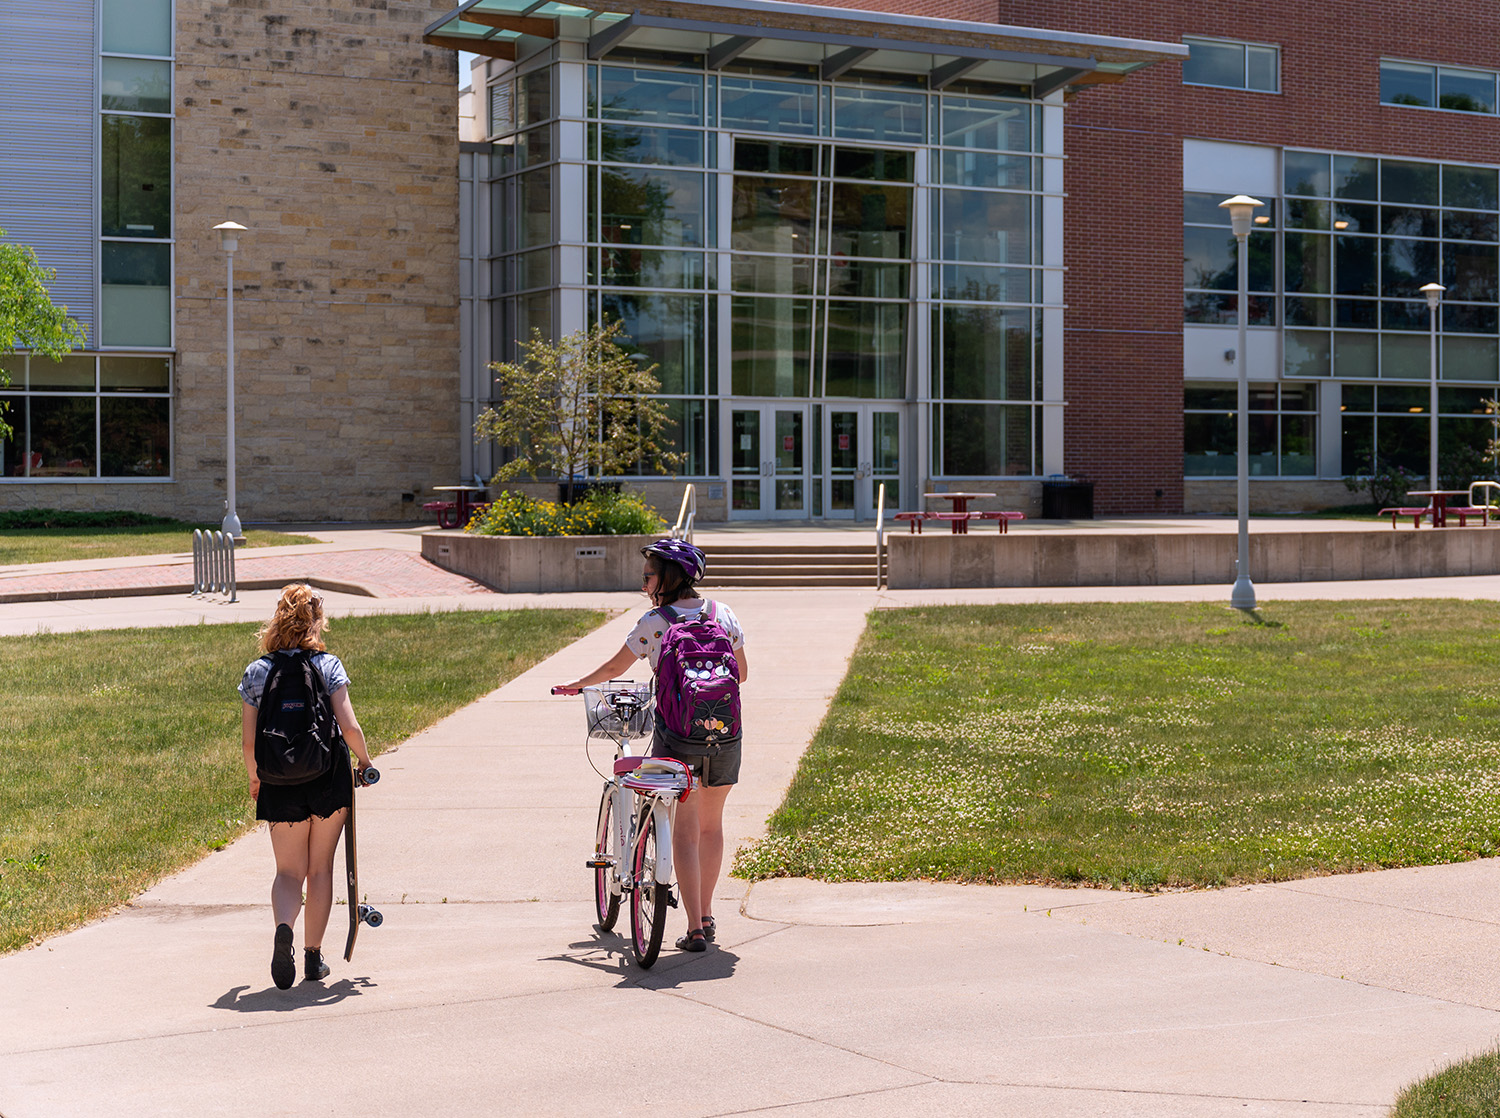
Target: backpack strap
x=669, y=613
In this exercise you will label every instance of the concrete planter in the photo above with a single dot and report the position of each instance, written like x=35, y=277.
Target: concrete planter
x=538, y=565
x=1019, y=558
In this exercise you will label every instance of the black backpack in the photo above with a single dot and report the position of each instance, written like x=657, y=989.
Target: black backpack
x=295, y=731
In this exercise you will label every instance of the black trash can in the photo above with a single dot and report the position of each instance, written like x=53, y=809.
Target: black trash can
x=1067, y=499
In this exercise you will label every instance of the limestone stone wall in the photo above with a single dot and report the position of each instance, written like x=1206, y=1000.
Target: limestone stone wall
x=1267, y=496
x=331, y=132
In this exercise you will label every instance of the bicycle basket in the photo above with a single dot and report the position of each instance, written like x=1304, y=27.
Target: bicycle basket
x=619, y=709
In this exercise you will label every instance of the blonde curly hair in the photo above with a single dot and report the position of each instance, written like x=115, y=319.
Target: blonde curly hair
x=297, y=623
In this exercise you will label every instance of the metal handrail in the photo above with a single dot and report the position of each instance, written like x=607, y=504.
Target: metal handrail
x=880, y=537
x=213, y=564
x=683, y=529
x=1486, y=485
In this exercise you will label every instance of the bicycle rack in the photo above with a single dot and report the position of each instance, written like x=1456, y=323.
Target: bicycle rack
x=213, y=564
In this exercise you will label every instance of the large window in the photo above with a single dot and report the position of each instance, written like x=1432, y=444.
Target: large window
x=1283, y=426
x=1232, y=65
x=1390, y=425
x=89, y=417
x=1423, y=85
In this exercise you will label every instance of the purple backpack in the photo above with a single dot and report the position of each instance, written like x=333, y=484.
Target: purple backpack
x=697, y=683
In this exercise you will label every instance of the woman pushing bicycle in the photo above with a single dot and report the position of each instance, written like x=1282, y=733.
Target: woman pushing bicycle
x=696, y=648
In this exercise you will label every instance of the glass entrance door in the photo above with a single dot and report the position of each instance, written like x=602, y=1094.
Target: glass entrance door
x=768, y=462
x=864, y=449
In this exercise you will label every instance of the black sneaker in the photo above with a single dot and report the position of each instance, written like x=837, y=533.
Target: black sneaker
x=315, y=969
x=283, y=966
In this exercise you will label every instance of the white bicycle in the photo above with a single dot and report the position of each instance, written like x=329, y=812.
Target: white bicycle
x=633, y=841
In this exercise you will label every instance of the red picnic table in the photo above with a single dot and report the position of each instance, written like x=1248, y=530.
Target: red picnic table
x=960, y=516
x=456, y=513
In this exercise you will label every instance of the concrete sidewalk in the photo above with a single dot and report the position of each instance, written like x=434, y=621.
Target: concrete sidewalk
x=487, y=991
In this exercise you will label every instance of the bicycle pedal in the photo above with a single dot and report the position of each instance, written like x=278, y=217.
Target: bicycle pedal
x=671, y=899
x=600, y=862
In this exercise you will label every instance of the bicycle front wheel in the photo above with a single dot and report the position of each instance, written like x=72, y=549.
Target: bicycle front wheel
x=648, y=897
x=607, y=876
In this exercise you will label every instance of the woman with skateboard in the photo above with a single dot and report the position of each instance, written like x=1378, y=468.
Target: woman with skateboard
x=672, y=569
x=297, y=761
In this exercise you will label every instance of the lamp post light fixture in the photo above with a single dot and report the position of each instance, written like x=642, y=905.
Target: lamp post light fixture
x=229, y=238
x=1241, y=217
x=1434, y=293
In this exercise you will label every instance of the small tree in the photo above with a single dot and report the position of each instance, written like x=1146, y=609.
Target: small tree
x=28, y=317
x=579, y=404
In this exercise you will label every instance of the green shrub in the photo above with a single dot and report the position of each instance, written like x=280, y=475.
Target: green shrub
x=23, y=519
x=600, y=513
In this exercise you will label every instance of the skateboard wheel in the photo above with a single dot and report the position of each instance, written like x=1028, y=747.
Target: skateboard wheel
x=371, y=916
x=370, y=776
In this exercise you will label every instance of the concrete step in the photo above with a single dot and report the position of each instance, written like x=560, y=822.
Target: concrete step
x=731, y=550
x=787, y=582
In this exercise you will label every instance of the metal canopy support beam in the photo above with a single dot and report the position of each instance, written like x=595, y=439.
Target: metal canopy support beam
x=949, y=72
x=845, y=60
x=523, y=25
x=504, y=49
x=722, y=54
x=602, y=42
x=1056, y=80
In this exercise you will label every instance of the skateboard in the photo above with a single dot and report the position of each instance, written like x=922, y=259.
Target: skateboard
x=358, y=913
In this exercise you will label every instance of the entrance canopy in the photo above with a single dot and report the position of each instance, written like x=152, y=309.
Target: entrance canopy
x=834, y=40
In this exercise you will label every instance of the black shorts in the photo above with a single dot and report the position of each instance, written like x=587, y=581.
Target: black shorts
x=322, y=797
x=714, y=770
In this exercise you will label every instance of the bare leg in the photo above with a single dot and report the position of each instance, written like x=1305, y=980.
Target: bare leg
x=322, y=845
x=685, y=859
x=710, y=845
x=289, y=843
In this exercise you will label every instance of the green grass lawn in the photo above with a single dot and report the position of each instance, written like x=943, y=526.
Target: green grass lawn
x=1467, y=1089
x=46, y=545
x=121, y=755
x=1151, y=745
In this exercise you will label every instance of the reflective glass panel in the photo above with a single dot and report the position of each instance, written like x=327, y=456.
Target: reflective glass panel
x=1405, y=266
x=759, y=105
x=1403, y=181
x=68, y=374
x=1408, y=221
x=1469, y=359
x=773, y=274
x=667, y=331
x=980, y=168
x=1460, y=225
x=62, y=436
x=135, y=176
x=985, y=227
x=879, y=115
x=1354, y=266
x=1308, y=262
x=1307, y=353
x=136, y=85
x=866, y=350
x=985, y=440
x=14, y=459
x=1471, y=188
x=987, y=123
x=772, y=157
x=629, y=143
x=1211, y=63
x=1404, y=84
x=1470, y=273
x=986, y=353
x=771, y=340
x=135, y=437
x=651, y=207
x=1469, y=91
x=135, y=374
x=1307, y=172
x=773, y=214
x=1355, y=176
x=977, y=283
x=873, y=163
x=652, y=96
x=136, y=27
x=871, y=221
x=643, y=267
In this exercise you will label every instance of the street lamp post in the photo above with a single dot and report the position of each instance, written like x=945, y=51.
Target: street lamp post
x=1241, y=217
x=1434, y=293
x=229, y=237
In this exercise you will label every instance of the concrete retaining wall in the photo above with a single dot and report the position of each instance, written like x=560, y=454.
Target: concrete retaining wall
x=1169, y=559
x=530, y=565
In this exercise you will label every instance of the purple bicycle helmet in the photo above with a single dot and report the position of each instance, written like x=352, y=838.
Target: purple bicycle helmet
x=684, y=554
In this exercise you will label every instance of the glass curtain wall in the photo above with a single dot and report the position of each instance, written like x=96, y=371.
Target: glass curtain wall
x=819, y=223
x=1345, y=254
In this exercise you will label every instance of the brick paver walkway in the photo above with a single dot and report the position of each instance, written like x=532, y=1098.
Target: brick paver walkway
x=385, y=574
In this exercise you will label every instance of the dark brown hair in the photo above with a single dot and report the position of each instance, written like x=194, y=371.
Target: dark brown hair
x=672, y=582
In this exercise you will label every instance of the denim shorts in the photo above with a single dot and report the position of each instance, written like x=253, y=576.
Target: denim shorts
x=715, y=770
x=321, y=797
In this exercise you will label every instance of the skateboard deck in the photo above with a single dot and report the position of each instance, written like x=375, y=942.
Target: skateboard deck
x=358, y=913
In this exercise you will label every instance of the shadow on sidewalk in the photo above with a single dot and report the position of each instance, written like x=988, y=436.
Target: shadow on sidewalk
x=300, y=996
x=609, y=952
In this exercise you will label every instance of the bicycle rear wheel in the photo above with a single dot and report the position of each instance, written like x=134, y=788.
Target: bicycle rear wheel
x=608, y=876
x=648, y=897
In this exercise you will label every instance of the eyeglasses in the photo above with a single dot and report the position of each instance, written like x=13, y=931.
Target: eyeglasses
x=647, y=576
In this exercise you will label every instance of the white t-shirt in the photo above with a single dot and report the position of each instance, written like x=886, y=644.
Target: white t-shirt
x=645, y=639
